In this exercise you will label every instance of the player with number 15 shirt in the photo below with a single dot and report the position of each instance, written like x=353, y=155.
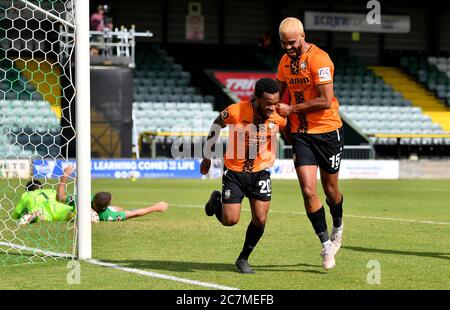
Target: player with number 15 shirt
x=305, y=73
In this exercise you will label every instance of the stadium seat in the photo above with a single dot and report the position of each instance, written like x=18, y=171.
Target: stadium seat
x=189, y=90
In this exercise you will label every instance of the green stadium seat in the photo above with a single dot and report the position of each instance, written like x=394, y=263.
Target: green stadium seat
x=177, y=67
x=147, y=82
x=177, y=90
x=139, y=74
x=139, y=97
x=182, y=82
x=189, y=90
x=151, y=75
x=173, y=97
x=197, y=98
x=170, y=82
x=185, y=98
x=153, y=89
x=208, y=99
x=158, y=82
x=162, y=97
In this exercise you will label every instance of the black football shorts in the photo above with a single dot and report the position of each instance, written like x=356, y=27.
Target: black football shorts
x=254, y=185
x=323, y=150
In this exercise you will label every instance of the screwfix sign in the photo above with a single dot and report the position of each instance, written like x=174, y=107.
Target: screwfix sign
x=242, y=84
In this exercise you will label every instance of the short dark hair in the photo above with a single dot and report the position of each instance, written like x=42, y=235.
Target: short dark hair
x=33, y=185
x=101, y=201
x=266, y=85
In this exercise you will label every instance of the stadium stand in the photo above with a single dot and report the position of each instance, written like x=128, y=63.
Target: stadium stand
x=164, y=100
x=433, y=72
x=374, y=105
x=28, y=123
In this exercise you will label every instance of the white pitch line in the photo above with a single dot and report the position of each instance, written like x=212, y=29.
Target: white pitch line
x=396, y=219
x=118, y=267
x=393, y=219
x=160, y=276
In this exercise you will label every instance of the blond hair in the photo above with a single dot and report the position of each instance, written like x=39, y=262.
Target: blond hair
x=290, y=24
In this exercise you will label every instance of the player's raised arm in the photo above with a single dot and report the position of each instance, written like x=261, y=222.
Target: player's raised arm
x=61, y=190
x=213, y=135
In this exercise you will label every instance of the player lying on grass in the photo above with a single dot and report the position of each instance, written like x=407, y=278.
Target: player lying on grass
x=250, y=153
x=49, y=205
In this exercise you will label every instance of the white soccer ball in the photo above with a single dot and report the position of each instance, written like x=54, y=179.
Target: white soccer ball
x=94, y=217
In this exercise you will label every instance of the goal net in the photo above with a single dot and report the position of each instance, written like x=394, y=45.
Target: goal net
x=36, y=127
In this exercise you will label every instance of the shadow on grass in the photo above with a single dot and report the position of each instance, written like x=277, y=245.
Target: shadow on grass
x=196, y=266
x=282, y=268
x=439, y=255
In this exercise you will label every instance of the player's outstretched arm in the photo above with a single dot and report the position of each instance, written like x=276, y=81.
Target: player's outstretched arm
x=159, y=207
x=213, y=135
x=61, y=190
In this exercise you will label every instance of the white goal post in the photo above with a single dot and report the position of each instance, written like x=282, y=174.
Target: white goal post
x=83, y=127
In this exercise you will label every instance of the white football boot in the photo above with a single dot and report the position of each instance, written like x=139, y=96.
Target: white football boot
x=328, y=253
x=336, y=236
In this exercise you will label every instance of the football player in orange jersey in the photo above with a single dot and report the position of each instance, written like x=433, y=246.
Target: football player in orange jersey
x=306, y=73
x=250, y=154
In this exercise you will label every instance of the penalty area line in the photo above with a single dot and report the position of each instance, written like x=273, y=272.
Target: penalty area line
x=118, y=267
x=159, y=275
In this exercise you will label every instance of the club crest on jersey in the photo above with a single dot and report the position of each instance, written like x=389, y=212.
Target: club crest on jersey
x=303, y=65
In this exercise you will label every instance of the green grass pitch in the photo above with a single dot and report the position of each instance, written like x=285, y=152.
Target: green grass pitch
x=404, y=225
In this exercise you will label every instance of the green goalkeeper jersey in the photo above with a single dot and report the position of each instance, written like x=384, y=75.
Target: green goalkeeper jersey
x=43, y=200
x=110, y=214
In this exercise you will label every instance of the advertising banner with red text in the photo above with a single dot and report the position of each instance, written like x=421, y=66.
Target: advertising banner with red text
x=241, y=83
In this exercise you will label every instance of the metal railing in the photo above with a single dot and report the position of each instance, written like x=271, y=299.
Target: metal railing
x=113, y=44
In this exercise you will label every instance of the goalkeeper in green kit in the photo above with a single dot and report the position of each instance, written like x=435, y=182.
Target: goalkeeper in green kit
x=44, y=205
x=48, y=205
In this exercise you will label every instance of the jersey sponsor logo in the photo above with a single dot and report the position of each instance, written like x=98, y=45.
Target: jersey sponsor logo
x=324, y=74
x=299, y=81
